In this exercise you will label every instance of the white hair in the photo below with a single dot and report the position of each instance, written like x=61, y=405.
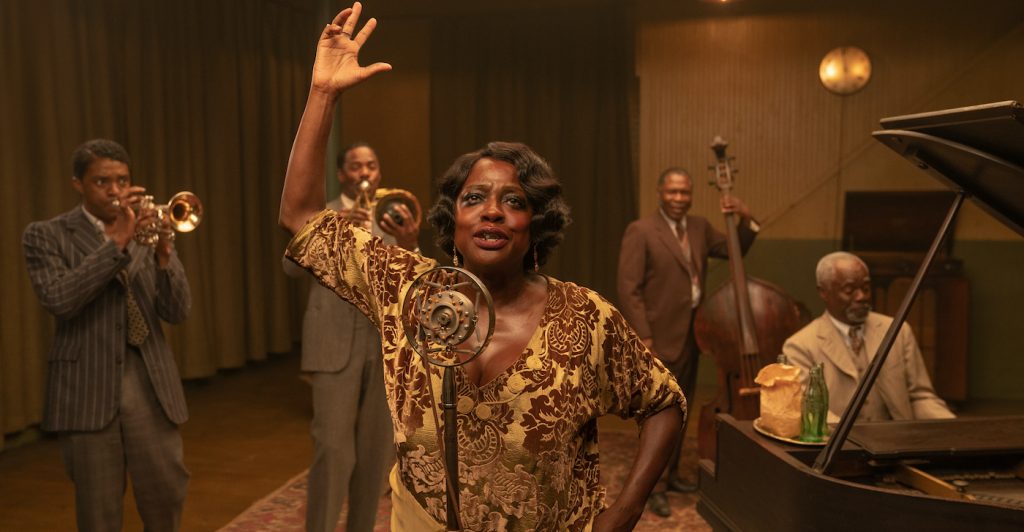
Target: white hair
x=826, y=270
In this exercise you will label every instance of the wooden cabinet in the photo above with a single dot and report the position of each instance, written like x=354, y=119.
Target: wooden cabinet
x=891, y=232
x=939, y=316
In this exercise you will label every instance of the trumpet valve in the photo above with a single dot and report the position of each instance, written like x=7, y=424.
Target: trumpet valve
x=182, y=213
x=363, y=200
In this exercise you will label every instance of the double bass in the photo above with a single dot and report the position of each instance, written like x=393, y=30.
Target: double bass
x=742, y=325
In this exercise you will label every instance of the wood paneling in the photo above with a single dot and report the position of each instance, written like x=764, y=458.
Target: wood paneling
x=753, y=79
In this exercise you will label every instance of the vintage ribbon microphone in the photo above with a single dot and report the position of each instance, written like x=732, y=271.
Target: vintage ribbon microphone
x=440, y=314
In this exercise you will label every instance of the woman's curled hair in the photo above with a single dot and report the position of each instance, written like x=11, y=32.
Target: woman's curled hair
x=543, y=193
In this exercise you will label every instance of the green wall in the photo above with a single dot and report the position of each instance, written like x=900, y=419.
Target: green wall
x=995, y=270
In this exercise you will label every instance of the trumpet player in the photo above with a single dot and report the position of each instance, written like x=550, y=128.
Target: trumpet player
x=114, y=395
x=341, y=354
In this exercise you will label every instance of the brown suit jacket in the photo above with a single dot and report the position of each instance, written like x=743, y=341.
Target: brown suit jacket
x=654, y=280
x=74, y=273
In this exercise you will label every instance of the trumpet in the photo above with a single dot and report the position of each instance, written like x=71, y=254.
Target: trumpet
x=386, y=201
x=363, y=200
x=183, y=213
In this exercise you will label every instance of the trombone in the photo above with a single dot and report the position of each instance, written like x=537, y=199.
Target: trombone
x=385, y=201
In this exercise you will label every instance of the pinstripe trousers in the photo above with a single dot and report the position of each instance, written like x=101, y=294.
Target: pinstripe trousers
x=140, y=443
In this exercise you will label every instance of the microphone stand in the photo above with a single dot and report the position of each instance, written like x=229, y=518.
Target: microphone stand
x=451, y=446
x=447, y=318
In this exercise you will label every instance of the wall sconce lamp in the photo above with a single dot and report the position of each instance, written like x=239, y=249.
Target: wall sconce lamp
x=845, y=70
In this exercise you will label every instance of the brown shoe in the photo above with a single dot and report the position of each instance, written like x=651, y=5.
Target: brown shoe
x=658, y=503
x=679, y=486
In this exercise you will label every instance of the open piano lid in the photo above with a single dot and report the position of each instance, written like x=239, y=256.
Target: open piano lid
x=756, y=484
x=977, y=149
x=958, y=147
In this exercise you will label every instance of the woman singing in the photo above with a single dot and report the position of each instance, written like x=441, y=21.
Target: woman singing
x=560, y=356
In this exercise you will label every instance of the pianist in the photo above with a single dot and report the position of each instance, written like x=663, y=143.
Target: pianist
x=845, y=339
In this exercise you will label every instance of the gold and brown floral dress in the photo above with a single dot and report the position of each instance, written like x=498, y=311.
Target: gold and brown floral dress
x=528, y=452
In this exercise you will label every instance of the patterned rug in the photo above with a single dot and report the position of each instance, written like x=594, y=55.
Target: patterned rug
x=284, y=509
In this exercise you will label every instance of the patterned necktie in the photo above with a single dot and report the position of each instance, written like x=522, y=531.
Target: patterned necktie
x=684, y=243
x=137, y=328
x=856, y=338
x=857, y=346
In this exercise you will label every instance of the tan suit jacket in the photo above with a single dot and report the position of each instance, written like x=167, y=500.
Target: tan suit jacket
x=333, y=330
x=351, y=428
x=654, y=278
x=903, y=383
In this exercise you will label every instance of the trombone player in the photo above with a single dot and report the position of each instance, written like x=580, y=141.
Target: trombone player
x=341, y=354
x=114, y=395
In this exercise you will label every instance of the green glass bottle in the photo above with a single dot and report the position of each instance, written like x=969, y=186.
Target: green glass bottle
x=814, y=413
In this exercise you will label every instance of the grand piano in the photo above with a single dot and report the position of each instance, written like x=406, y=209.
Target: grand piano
x=959, y=474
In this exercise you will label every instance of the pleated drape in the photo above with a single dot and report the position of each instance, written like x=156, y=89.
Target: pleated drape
x=560, y=81
x=206, y=97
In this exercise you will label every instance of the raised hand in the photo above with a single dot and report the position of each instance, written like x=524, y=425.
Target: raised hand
x=337, y=53
x=336, y=68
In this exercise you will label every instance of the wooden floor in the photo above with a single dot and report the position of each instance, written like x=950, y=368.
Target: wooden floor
x=248, y=434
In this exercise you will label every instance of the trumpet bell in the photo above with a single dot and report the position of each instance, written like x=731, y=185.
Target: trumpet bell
x=185, y=211
x=387, y=199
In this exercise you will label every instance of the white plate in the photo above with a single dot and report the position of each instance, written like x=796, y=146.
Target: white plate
x=763, y=432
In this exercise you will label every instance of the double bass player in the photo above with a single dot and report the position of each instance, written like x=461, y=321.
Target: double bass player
x=661, y=276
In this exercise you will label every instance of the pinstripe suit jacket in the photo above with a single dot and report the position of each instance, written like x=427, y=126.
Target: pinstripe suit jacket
x=74, y=272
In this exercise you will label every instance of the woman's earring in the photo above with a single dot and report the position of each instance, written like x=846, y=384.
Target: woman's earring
x=536, y=264
x=455, y=255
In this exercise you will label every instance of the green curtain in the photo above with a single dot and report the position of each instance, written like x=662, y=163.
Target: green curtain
x=206, y=97
x=560, y=81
